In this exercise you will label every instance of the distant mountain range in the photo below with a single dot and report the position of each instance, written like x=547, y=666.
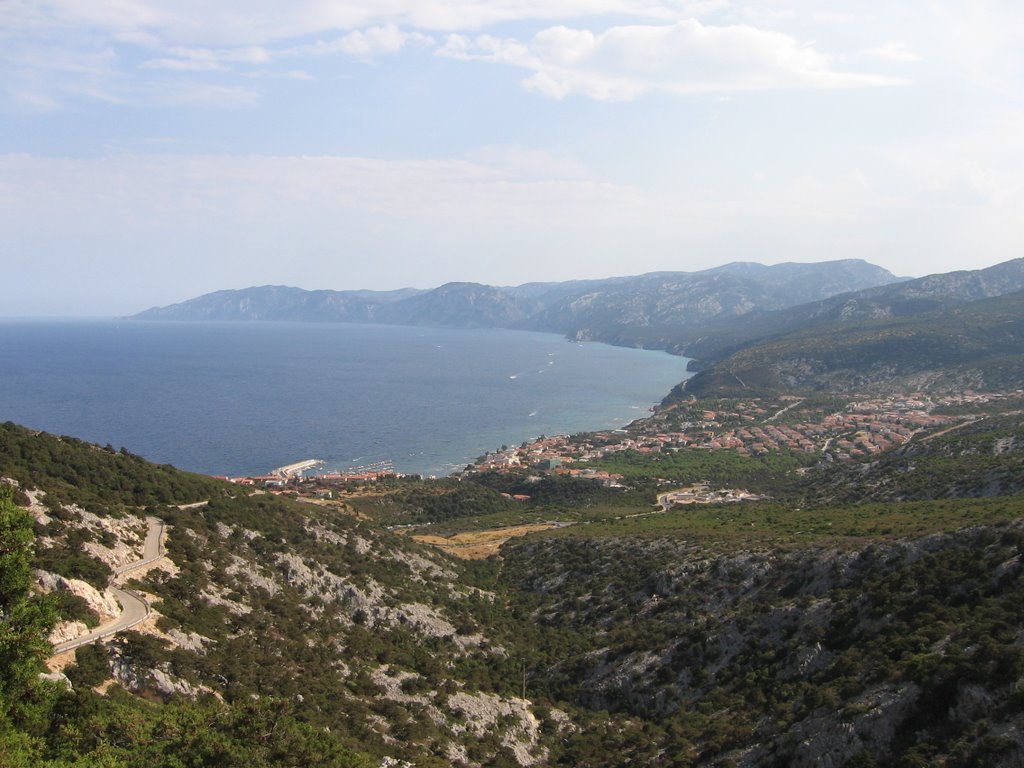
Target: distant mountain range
x=645, y=310
x=832, y=325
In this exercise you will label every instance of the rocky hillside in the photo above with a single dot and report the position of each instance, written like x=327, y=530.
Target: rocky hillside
x=462, y=305
x=342, y=625
x=282, y=303
x=886, y=654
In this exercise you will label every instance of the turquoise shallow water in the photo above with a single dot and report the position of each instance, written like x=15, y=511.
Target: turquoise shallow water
x=243, y=398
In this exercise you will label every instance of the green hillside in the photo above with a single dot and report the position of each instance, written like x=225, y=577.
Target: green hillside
x=979, y=344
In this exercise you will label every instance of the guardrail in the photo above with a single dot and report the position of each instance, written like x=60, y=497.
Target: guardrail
x=118, y=572
x=140, y=563
x=88, y=639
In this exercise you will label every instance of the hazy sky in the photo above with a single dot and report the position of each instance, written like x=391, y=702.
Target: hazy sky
x=154, y=150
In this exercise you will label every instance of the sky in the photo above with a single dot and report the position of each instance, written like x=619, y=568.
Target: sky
x=155, y=150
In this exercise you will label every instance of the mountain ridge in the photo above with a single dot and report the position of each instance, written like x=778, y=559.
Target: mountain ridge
x=652, y=299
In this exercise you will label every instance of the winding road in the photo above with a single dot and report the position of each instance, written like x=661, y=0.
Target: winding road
x=134, y=608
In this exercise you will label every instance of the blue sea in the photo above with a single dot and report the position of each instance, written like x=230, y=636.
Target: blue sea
x=243, y=398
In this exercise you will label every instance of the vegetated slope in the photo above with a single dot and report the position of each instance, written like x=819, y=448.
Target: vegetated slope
x=977, y=345
x=978, y=459
x=754, y=634
x=902, y=653
x=643, y=310
x=335, y=623
x=881, y=302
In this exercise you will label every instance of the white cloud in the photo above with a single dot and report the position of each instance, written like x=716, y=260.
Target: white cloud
x=154, y=191
x=367, y=43
x=983, y=167
x=893, y=52
x=666, y=47
x=834, y=18
x=688, y=57
x=210, y=221
x=983, y=39
x=520, y=163
x=204, y=59
x=40, y=78
x=185, y=65
x=372, y=42
x=199, y=94
x=260, y=22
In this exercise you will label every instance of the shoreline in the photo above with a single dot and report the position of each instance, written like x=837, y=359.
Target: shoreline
x=242, y=398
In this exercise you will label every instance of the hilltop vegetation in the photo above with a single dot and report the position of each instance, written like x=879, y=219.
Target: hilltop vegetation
x=791, y=656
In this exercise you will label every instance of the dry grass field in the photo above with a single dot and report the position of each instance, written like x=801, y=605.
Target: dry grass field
x=479, y=545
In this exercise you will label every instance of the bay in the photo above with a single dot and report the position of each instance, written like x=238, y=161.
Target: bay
x=243, y=398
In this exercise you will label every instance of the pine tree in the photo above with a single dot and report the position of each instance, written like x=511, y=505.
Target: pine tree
x=25, y=623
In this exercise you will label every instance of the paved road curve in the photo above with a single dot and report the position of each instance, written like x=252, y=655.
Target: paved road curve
x=134, y=608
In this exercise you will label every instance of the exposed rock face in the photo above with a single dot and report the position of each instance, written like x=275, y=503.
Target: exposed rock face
x=484, y=711
x=156, y=680
x=424, y=619
x=215, y=595
x=36, y=507
x=832, y=740
x=104, y=604
x=317, y=582
x=421, y=567
x=56, y=677
x=189, y=641
x=323, y=533
x=126, y=536
x=252, y=574
x=67, y=630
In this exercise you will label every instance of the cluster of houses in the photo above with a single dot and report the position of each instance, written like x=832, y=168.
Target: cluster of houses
x=754, y=441
x=863, y=428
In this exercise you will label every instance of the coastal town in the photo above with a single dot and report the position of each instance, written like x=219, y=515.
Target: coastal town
x=755, y=427
x=819, y=429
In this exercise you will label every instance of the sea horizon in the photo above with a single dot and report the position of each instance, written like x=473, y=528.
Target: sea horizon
x=241, y=398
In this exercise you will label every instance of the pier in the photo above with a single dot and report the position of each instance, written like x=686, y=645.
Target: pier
x=297, y=469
